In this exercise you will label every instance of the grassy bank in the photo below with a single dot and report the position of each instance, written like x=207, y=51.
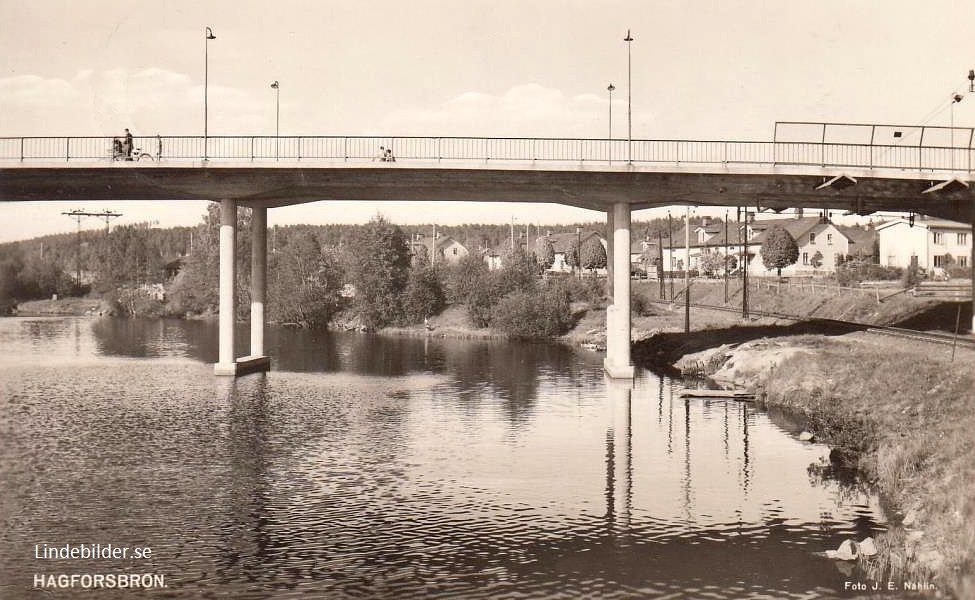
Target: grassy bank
x=63, y=307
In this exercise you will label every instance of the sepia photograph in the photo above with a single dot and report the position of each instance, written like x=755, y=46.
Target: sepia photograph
x=487, y=299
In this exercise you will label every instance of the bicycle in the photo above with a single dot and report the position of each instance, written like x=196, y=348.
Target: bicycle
x=118, y=153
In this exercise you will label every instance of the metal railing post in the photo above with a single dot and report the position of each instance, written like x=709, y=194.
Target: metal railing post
x=252, y=148
x=920, y=149
x=873, y=130
x=299, y=148
x=823, y=147
x=21, y=149
x=67, y=149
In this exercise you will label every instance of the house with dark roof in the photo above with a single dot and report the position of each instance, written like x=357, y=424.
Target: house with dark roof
x=440, y=247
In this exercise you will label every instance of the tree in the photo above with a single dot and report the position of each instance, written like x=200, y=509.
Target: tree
x=712, y=261
x=424, y=296
x=779, y=249
x=519, y=272
x=196, y=288
x=305, y=283
x=572, y=255
x=379, y=261
x=593, y=255
x=649, y=257
x=544, y=253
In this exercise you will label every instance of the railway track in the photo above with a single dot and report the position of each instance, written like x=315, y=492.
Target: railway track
x=932, y=337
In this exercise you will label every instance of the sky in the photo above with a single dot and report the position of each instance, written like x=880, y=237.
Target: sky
x=701, y=69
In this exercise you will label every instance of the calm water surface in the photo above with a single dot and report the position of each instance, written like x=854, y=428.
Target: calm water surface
x=371, y=467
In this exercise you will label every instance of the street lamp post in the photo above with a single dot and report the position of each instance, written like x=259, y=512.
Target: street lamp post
x=277, y=117
x=207, y=36
x=629, y=99
x=610, y=89
x=955, y=99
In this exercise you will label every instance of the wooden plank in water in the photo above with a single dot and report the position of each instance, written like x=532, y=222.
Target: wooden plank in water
x=734, y=394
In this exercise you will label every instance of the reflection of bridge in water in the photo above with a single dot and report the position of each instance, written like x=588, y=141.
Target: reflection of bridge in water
x=856, y=168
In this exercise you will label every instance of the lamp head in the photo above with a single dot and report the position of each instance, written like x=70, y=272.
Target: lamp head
x=955, y=98
x=628, y=38
x=971, y=80
x=209, y=34
x=611, y=87
x=274, y=85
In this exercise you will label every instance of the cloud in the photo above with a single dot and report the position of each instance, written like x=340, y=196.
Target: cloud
x=526, y=110
x=148, y=101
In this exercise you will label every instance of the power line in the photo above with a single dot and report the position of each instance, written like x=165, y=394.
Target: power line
x=78, y=215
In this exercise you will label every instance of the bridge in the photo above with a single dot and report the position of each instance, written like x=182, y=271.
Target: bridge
x=859, y=168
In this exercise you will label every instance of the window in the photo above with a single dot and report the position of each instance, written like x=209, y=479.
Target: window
x=805, y=258
x=812, y=238
x=829, y=239
x=939, y=260
x=962, y=239
x=455, y=251
x=939, y=238
x=962, y=261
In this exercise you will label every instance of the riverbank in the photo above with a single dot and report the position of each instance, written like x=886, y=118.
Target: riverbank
x=901, y=414
x=63, y=307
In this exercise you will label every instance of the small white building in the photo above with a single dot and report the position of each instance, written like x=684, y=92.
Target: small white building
x=935, y=242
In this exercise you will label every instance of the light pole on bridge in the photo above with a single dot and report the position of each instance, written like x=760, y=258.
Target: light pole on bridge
x=629, y=98
x=277, y=117
x=610, y=89
x=207, y=36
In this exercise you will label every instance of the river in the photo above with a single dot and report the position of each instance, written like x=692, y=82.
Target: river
x=364, y=466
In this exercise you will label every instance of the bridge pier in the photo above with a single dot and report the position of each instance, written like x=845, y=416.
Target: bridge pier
x=617, y=362
x=226, y=365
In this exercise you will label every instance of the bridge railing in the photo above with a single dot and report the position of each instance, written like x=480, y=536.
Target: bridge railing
x=263, y=149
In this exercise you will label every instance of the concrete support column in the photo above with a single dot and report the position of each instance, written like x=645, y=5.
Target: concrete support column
x=228, y=234
x=617, y=363
x=610, y=251
x=258, y=278
x=971, y=262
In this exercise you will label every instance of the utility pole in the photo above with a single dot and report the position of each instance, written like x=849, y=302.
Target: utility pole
x=660, y=264
x=687, y=270
x=77, y=215
x=725, y=257
x=743, y=238
x=670, y=250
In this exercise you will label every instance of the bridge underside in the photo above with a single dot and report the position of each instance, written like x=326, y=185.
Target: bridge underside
x=615, y=190
x=271, y=186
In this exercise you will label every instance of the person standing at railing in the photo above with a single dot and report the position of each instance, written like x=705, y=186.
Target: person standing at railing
x=389, y=155
x=128, y=145
x=382, y=153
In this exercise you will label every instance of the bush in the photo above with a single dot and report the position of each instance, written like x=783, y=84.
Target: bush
x=587, y=289
x=853, y=272
x=424, y=296
x=956, y=272
x=533, y=315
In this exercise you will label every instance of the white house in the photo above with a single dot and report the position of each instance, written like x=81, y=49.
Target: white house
x=822, y=246
x=935, y=242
